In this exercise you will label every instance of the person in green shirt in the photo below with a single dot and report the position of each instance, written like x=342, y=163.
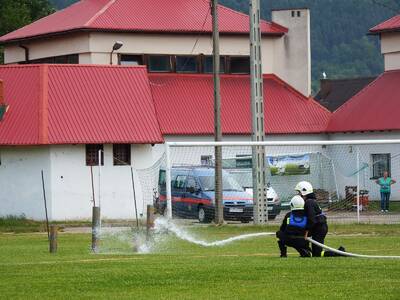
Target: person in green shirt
x=385, y=183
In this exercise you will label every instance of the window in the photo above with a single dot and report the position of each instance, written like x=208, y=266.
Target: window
x=187, y=64
x=298, y=14
x=130, y=60
x=192, y=186
x=63, y=59
x=208, y=64
x=122, y=154
x=206, y=160
x=161, y=181
x=380, y=163
x=179, y=183
x=292, y=13
x=240, y=65
x=92, y=154
x=160, y=63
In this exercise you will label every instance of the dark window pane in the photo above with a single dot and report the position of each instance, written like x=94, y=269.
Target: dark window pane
x=186, y=64
x=61, y=59
x=73, y=59
x=179, y=183
x=206, y=160
x=159, y=63
x=122, y=154
x=92, y=155
x=131, y=60
x=240, y=65
x=208, y=65
x=380, y=163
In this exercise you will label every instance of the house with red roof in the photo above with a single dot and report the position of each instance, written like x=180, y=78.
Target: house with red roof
x=85, y=126
x=373, y=113
x=68, y=120
x=166, y=36
x=85, y=123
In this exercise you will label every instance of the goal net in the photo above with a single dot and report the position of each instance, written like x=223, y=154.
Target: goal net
x=343, y=175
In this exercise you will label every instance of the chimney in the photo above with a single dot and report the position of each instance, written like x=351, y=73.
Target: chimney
x=295, y=50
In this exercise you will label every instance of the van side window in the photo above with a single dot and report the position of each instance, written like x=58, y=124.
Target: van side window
x=191, y=184
x=179, y=183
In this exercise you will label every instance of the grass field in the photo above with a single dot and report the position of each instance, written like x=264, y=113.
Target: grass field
x=248, y=269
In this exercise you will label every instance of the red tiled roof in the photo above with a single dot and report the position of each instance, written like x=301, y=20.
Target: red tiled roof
x=184, y=106
x=74, y=104
x=375, y=108
x=178, y=16
x=392, y=24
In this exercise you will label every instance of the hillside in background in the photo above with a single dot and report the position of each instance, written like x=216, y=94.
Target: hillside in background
x=340, y=46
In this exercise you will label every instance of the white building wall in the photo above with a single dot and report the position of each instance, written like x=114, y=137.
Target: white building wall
x=392, y=61
x=56, y=46
x=21, y=183
x=390, y=48
x=72, y=188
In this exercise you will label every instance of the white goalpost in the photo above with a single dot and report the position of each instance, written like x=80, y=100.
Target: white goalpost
x=343, y=171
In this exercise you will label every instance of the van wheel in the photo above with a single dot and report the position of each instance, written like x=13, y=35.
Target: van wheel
x=203, y=215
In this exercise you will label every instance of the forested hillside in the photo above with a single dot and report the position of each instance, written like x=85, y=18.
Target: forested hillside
x=340, y=46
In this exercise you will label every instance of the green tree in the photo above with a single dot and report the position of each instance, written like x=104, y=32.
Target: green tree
x=15, y=14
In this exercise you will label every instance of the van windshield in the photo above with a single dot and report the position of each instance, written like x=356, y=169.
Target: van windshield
x=228, y=183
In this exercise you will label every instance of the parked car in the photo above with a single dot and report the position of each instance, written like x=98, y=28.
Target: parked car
x=193, y=195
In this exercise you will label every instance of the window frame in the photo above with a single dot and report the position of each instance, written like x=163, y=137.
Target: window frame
x=171, y=64
x=196, y=58
x=140, y=56
x=222, y=64
x=183, y=188
x=377, y=170
x=233, y=57
x=117, y=161
x=207, y=158
x=96, y=160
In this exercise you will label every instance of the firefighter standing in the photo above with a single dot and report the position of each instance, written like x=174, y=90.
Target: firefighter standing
x=317, y=227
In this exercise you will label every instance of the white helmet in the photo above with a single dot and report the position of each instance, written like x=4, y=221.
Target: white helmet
x=304, y=187
x=297, y=203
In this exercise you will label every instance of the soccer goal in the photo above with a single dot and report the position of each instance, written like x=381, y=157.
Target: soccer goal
x=181, y=183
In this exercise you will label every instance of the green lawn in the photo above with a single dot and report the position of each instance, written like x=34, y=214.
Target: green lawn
x=248, y=269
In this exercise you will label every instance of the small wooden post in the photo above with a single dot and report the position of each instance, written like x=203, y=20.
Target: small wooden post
x=53, y=238
x=150, y=219
x=95, y=229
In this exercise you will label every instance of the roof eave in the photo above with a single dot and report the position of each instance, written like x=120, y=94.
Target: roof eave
x=77, y=30
x=380, y=31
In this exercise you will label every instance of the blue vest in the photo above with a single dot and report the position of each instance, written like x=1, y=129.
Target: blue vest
x=300, y=222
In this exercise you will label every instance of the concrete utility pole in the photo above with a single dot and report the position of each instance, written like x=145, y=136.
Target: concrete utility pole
x=219, y=208
x=257, y=110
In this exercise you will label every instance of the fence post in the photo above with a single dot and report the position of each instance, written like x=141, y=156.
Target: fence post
x=95, y=228
x=53, y=238
x=358, y=184
x=168, y=180
x=150, y=220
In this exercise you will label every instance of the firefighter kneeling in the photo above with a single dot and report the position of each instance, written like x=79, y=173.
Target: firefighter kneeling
x=293, y=230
